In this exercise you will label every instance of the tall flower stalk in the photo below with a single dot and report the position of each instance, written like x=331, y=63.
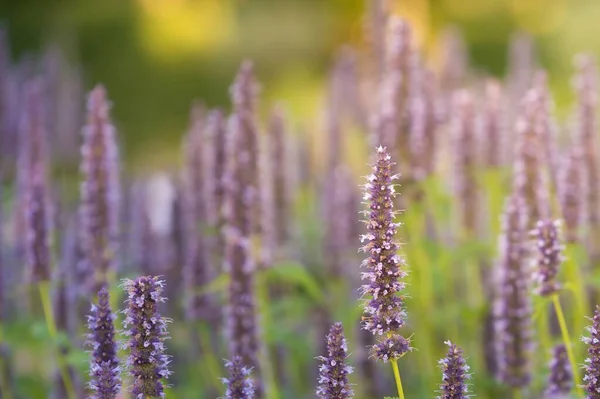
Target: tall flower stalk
x=530, y=175
x=333, y=372
x=591, y=378
x=513, y=322
x=239, y=383
x=99, y=209
x=549, y=259
x=384, y=308
x=455, y=374
x=241, y=206
x=104, y=365
x=38, y=226
x=145, y=331
x=560, y=380
x=586, y=88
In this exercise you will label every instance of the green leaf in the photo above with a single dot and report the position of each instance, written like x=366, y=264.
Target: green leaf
x=296, y=274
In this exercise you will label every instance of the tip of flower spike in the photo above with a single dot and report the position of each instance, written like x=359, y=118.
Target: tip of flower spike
x=98, y=104
x=245, y=87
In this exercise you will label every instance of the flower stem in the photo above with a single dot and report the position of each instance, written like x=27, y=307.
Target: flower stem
x=5, y=391
x=565, y=335
x=44, y=289
x=397, y=378
x=517, y=393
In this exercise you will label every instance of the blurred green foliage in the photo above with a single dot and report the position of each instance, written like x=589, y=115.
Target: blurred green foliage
x=156, y=56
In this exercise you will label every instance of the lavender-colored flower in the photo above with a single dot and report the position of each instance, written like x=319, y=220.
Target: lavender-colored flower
x=384, y=313
x=424, y=122
x=378, y=14
x=333, y=371
x=465, y=151
x=392, y=122
x=241, y=206
x=549, y=256
x=341, y=206
x=586, y=87
x=455, y=373
x=591, y=379
x=513, y=323
x=391, y=348
x=280, y=175
x=239, y=384
x=560, y=380
x=146, y=331
x=530, y=167
x=99, y=209
x=104, y=365
x=572, y=194
x=492, y=130
x=197, y=271
x=32, y=169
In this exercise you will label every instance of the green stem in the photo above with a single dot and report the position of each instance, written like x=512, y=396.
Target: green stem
x=207, y=360
x=398, y=379
x=44, y=289
x=5, y=391
x=567, y=340
x=517, y=393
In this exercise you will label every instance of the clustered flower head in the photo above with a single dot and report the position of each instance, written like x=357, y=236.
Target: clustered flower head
x=560, y=380
x=384, y=313
x=549, y=256
x=104, y=366
x=99, y=210
x=33, y=159
x=463, y=125
x=591, y=379
x=530, y=175
x=333, y=371
x=586, y=88
x=241, y=195
x=572, y=193
x=239, y=384
x=455, y=373
x=513, y=323
x=146, y=331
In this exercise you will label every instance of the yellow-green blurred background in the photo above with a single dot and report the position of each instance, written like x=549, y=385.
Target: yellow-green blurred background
x=156, y=56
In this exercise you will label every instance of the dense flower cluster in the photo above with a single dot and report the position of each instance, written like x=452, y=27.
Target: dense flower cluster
x=560, y=380
x=239, y=384
x=104, y=365
x=333, y=371
x=549, y=256
x=384, y=313
x=591, y=379
x=572, y=194
x=146, y=331
x=455, y=373
x=99, y=209
x=513, y=323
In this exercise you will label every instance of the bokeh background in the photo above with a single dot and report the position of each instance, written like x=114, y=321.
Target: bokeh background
x=156, y=56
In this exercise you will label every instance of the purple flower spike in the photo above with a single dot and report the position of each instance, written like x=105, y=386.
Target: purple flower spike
x=99, y=208
x=146, y=332
x=513, y=323
x=560, y=381
x=591, y=379
x=392, y=348
x=104, y=366
x=239, y=384
x=333, y=372
x=384, y=313
x=32, y=169
x=455, y=374
x=550, y=256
